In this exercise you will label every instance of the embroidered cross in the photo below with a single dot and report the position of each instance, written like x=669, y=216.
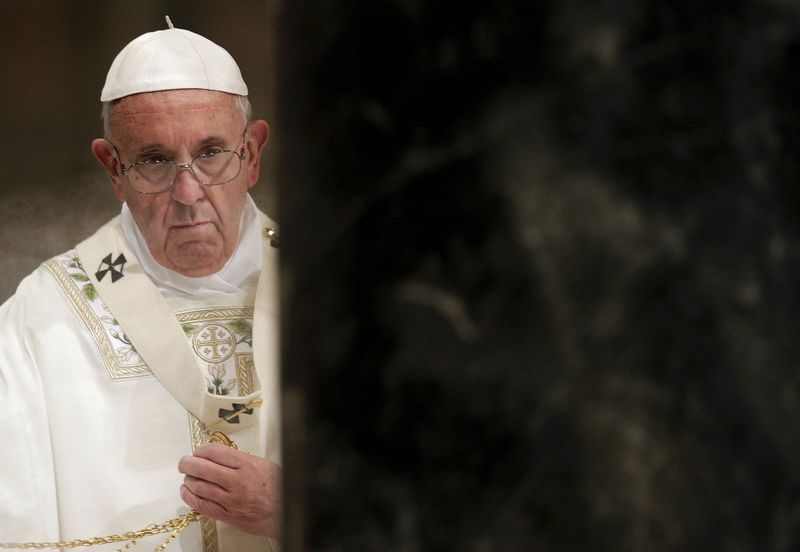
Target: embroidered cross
x=228, y=415
x=232, y=416
x=111, y=267
x=217, y=338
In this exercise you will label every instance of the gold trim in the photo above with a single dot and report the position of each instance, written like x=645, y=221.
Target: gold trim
x=196, y=432
x=96, y=329
x=208, y=529
x=214, y=314
x=244, y=372
x=108, y=354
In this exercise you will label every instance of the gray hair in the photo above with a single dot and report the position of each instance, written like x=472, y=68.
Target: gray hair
x=242, y=104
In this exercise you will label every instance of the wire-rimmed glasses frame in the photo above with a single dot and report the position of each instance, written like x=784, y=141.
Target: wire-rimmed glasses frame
x=138, y=166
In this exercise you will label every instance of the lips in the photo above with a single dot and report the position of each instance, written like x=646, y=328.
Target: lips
x=191, y=228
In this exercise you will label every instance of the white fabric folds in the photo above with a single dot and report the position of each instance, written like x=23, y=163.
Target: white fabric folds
x=92, y=438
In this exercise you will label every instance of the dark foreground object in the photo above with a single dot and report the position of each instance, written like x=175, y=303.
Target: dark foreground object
x=541, y=270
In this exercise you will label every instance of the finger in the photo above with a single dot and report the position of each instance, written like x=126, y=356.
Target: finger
x=206, y=489
x=225, y=456
x=207, y=470
x=203, y=505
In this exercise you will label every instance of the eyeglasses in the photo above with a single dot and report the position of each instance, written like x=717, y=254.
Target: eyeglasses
x=157, y=174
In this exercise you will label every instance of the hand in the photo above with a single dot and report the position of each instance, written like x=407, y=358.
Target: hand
x=229, y=485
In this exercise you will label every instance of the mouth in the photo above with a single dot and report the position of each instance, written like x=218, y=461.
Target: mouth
x=191, y=226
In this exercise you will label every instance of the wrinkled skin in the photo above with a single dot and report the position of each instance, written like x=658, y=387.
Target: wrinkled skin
x=191, y=229
x=240, y=489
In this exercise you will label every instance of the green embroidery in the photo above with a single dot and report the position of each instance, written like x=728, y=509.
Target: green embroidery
x=189, y=329
x=120, y=358
x=124, y=338
x=89, y=292
x=222, y=338
x=243, y=328
x=217, y=385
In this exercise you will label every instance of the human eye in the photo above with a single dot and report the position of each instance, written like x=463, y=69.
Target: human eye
x=210, y=152
x=153, y=160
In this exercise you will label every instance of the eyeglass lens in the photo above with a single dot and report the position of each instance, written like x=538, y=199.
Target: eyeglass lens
x=209, y=169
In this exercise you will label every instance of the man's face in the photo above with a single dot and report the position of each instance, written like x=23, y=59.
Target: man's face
x=191, y=229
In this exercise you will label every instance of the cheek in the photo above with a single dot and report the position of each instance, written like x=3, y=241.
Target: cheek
x=149, y=216
x=228, y=207
x=145, y=214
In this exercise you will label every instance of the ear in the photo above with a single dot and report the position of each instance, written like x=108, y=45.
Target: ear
x=103, y=150
x=257, y=138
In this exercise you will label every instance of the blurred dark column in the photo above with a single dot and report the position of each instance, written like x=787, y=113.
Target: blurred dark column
x=540, y=275
x=417, y=343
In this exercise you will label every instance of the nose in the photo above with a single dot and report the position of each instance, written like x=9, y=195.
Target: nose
x=187, y=189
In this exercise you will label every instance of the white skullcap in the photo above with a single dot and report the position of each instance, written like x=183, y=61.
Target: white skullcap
x=169, y=60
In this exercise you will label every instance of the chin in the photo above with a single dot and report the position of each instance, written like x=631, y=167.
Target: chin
x=198, y=269
x=197, y=260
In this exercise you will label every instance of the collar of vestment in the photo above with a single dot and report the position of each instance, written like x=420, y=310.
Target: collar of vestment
x=149, y=323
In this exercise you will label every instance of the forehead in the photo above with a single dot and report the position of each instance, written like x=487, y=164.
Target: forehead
x=172, y=115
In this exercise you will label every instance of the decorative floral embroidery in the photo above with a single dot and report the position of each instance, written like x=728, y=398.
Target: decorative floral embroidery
x=244, y=329
x=120, y=357
x=221, y=338
x=216, y=382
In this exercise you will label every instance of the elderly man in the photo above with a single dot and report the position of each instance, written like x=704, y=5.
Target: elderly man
x=132, y=367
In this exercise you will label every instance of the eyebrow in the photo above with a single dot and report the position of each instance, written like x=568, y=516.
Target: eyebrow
x=212, y=140
x=160, y=146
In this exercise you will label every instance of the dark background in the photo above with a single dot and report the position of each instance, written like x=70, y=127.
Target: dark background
x=53, y=63
x=547, y=298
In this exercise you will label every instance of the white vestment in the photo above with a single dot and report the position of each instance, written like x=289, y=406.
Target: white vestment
x=91, y=438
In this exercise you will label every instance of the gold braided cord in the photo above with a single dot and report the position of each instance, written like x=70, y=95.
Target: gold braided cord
x=176, y=525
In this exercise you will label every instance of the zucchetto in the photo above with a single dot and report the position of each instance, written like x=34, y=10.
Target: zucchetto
x=172, y=59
